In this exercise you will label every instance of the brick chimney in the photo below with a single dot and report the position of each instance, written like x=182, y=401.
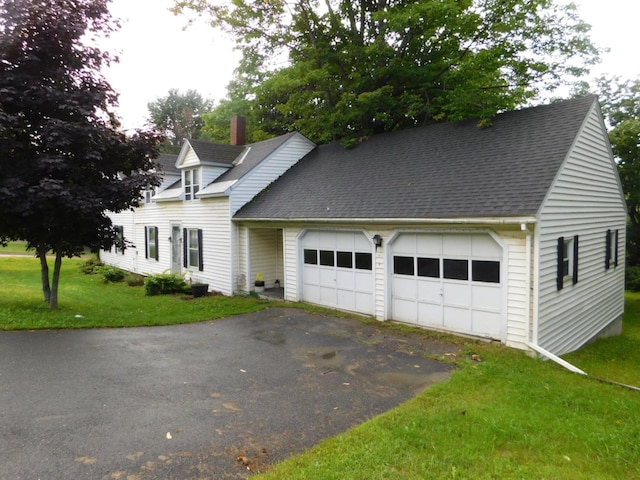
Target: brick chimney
x=238, y=131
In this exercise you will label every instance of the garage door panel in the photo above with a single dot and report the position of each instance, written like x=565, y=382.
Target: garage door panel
x=457, y=319
x=429, y=291
x=488, y=322
x=404, y=310
x=344, y=279
x=404, y=287
x=456, y=294
x=429, y=245
x=311, y=275
x=430, y=315
x=487, y=298
x=456, y=245
x=485, y=246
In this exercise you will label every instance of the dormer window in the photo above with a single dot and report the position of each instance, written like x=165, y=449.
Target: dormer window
x=191, y=183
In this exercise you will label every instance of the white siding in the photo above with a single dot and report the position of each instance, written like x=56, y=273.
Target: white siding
x=585, y=200
x=269, y=170
x=291, y=265
x=518, y=289
x=242, y=259
x=211, y=215
x=265, y=246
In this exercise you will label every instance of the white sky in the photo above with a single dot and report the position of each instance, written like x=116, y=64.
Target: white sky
x=157, y=53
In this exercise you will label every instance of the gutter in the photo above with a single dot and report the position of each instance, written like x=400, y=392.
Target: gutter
x=399, y=221
x=575, y=369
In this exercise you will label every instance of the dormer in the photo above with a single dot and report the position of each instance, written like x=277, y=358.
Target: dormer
x=200, y=163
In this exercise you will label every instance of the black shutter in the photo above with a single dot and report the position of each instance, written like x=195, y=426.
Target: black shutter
x=560, y=274
x=575, y=259
x=615, y=253
x=607, y=255
x=185, y=248
x=146, y=242
x=155, y=240
x=200, y=256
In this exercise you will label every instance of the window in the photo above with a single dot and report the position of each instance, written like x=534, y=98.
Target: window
x=192, y=248
x=611, y=252
x=429, y=267
x=344, y=259
x=119, y=244
x=364, y=261
x=149, y=192
x=151, y=242
x=311, y=257
x=326, y=258
x=485, y=271
x=191, y=183
x=567, y=260
x=455, y=269
x=403, y=265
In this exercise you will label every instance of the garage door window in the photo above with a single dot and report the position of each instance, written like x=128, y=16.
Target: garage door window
x=311, y=257
x=429, y=267
x=456, y=269
x=364, y=261
x=326, y=258
x=403, y=265
x=344, y=259
x=485, y=271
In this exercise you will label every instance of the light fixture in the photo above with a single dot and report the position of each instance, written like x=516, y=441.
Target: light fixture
x=377, y=240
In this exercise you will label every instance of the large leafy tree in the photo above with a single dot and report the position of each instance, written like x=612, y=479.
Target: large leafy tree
x=620, y=100
x=343, y=69
x=179, y=116
x=63, y=160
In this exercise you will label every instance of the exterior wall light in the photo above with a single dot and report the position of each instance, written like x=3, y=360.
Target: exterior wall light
x=377, y=240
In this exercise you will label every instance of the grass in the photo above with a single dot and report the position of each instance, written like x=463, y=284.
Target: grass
x=85, y=301
x=507, y=416
x=15, y=248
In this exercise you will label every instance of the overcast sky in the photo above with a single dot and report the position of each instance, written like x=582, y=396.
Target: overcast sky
x=157, y=53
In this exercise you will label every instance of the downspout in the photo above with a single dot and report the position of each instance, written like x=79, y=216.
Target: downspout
x=527, y=309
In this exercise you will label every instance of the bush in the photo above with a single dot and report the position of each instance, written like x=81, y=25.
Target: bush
x=134, y=280
x=165, y=283
x=111, y=274
x=90, y=266
x=632, y=279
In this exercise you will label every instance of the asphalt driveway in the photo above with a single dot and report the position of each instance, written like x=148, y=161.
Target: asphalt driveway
x=218, y=399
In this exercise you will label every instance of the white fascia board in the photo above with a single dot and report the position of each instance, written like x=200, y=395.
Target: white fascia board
x=404, y=221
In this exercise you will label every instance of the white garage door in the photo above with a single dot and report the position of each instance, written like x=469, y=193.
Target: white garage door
x=448, y=281
x=337, y=270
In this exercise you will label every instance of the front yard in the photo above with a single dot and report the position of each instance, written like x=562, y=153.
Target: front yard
x=501, y=415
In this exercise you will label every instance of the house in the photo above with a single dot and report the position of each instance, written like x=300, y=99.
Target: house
x=514, y=232
x=184, y=226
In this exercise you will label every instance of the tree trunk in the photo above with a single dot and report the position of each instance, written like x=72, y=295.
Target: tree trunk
x=44, y=275
x=53, y=304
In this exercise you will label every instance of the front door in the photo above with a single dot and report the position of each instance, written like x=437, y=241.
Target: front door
x=176, y=249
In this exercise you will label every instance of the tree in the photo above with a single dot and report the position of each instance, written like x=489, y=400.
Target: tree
x=354, y=68
x=62, y=155
x=620, y=102
x=179, y=116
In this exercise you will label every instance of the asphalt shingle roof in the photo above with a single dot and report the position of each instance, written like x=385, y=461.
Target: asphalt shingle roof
x=216, y=152
x=440, y=171
x=167, y=162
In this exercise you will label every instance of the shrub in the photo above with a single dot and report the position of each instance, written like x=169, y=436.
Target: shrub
x=164, y=283
x=91, y=265
x=134, y=280
x=111, y=274
x=632, y=279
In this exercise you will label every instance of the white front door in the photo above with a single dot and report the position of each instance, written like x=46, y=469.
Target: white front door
x=448, y=281
x=337, y=270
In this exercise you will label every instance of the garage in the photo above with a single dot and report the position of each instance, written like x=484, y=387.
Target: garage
x=337, y=270
x=449, y=281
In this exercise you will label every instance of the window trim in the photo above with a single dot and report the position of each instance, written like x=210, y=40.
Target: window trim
x=187, y=234
x=150, y=242
x=611, y=248
x=570, y=246
x=191, y=179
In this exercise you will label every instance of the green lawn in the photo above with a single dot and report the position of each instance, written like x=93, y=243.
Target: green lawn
x=86, y=301
x=507, y=416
